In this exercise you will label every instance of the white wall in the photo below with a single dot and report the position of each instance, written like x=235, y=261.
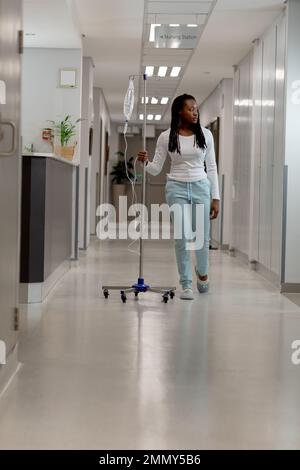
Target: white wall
x=106, y=126
x=114, y=142
x=259, y=100
x=98, y=179
x=94, y=112
x=85, y=158
x=241, y=176
x=291, y=259
x=42, y=99
x=113, y=158
x=96, y=160
x=219, y=104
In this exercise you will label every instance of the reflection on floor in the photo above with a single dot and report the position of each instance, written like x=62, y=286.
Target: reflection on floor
x=212, y=373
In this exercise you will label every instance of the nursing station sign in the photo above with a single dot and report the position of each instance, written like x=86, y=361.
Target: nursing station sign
x=179, y=37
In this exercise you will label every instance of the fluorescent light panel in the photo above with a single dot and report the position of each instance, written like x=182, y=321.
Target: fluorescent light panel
x=162, y=71
x=150, y=117
x=152, y=31
x=175, y=71
x=154, y=100
x=164, y=100
x=149, y=70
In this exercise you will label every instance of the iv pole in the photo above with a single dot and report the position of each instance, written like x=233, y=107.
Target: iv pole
x=140, y=286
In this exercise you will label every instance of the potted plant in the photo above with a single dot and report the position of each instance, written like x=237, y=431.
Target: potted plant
x=119, y=177
x=65, y=130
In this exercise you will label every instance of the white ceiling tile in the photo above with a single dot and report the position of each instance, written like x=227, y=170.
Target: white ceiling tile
x=179, y=7
x=181, y=19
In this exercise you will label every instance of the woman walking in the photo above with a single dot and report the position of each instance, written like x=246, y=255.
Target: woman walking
x=189, y=145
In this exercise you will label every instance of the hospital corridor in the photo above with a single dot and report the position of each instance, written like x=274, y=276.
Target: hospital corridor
x=149, y=228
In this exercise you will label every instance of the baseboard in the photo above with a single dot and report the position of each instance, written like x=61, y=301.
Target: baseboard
x=8, y=371
x=240, y=255
x=214, y=243
x=268, y=274
x=256, y=266
x=224, y=247
x=219, y=246
x=290, y=287
x=36, y=292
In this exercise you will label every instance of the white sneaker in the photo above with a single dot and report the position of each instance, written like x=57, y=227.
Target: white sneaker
x=187, y=294
x=202, y=286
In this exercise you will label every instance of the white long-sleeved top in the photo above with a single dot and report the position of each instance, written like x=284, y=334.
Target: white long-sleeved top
x=189, y=165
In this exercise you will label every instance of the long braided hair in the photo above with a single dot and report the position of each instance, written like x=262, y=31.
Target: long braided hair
x=177, y=106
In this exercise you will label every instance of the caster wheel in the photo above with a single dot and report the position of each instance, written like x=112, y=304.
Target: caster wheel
x=136, y=294
x=106, y=293
x=172, y=294
x=123, y=298
x=165, y=299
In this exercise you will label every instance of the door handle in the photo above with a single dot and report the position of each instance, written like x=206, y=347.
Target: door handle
x=14, y=143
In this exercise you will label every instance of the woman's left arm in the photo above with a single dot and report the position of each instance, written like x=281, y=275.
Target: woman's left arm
x=212, y=174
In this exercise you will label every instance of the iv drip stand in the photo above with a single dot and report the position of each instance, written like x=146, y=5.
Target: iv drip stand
x=140, y=286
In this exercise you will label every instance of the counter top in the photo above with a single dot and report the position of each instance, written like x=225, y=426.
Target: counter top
x=52, y=156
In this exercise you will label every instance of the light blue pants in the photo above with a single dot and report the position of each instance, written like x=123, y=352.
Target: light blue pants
x=196, y=192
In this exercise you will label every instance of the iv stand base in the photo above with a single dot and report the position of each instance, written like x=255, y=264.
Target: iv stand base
x=140, y=286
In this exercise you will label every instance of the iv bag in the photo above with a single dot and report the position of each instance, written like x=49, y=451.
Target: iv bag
x=129, y=100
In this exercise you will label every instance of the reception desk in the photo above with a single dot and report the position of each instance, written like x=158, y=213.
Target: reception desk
x=49, y=222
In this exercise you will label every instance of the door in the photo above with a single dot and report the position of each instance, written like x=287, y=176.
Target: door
x=10, y=74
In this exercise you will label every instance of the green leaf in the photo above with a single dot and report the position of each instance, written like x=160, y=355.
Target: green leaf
x=65, y=129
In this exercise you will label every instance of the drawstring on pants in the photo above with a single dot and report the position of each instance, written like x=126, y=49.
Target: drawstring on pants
x=189, y=191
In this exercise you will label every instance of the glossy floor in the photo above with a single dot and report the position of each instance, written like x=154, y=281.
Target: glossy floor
x=212, y=373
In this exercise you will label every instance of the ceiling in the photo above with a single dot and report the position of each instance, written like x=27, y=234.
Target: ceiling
x=117, y=38
x=114, y=38
x=165, y=13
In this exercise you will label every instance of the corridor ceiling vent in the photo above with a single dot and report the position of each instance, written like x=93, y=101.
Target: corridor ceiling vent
x=171, y=33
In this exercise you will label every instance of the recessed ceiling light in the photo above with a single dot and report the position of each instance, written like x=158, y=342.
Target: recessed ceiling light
x=158, y=117
x=164, y=100
x=154, y=100
x=152, y=31
x=174, y=25
x=192, y=25
x=175, y=71
x=30, y=34
x=150, y=117
x=147, y=99
x=141, y=116
x=149, y=70
x=162, y=71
